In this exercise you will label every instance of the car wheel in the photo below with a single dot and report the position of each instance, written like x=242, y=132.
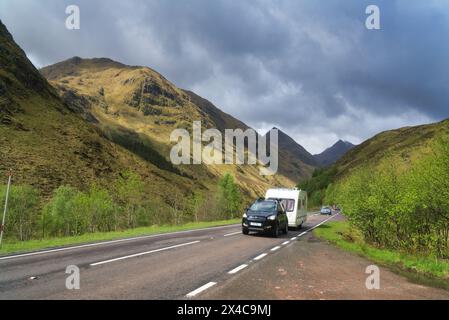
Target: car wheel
x=245, y=231
x=285, y=229
x=276, y=231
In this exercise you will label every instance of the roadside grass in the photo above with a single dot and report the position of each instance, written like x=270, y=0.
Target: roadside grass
x=426, y=270
x=32, y=245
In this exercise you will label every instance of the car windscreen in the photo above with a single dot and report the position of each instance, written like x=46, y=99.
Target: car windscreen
x=263, y=206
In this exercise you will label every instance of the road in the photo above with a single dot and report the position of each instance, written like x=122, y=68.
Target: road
x=213, y=263
x=167, y=266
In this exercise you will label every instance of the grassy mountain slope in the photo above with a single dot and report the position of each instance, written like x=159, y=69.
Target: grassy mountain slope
x=289, y=153
x=143, y=104
x=405, y=145
x=333, y=153
x=47, y=144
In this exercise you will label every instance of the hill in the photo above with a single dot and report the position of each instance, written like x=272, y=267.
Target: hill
x=404, y=144
x=48, y=144
x=132, y=105
x=333, y=153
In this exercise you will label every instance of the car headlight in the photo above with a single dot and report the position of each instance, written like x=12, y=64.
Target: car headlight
x=244, y=215
x=273, y=217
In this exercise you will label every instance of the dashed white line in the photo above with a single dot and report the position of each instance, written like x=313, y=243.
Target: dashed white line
x=143, y=253
x=235, y=270
x=261, y=256
x=319, y=224
x=232, y=234
x=200, y=289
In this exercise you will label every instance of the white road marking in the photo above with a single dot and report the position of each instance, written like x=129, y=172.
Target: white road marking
x=143, y=253
x=261, y=256
x=108, y=242
x=200, y=289
x=319, y=224
x=232, y=234
x=235, y=270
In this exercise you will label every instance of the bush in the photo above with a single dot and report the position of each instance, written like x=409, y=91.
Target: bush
x=317, y=185
x=22, y=215
x=71, y=212
x=229, y=197
x=400, y=207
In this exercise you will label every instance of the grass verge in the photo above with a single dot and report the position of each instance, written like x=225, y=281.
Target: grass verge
x=421, y=269
x=32, y=245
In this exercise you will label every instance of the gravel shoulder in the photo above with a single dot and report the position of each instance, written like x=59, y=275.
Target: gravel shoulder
x=311, y=268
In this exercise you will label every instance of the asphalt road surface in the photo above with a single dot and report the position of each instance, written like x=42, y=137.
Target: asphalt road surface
x=213, y=263
x=167, y=266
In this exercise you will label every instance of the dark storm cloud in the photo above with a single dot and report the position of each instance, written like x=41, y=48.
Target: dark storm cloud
x=309, y=67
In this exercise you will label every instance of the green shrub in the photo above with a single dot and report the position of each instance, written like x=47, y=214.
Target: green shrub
x=71, y=212
x=400, y=207
x=229, y=197
x=23, y=212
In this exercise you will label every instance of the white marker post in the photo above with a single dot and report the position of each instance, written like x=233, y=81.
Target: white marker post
x=2, y=226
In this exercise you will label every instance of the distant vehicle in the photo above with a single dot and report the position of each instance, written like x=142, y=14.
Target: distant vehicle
x=265, y=216
x=336, y=209
x=295, y=202
x=326, y=210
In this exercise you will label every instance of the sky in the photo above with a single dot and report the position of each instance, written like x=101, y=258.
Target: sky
x=308, y=67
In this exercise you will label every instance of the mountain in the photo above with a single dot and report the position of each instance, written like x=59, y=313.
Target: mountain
x=136, y=106
x=294, y=160
x=405, y=145
x=332, y=154
x=48, y=144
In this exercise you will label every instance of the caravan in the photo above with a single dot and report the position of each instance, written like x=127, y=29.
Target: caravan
x=295, y=203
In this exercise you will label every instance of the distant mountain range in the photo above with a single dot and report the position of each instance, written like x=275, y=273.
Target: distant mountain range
x=333, y=154
x=94, y=118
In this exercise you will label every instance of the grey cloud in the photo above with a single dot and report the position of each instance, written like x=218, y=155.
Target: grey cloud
x=309, y=67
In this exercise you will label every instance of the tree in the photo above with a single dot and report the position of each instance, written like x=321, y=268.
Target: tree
x=57, y=216
x=129, y=194
x=230, y=200
x=22, y=214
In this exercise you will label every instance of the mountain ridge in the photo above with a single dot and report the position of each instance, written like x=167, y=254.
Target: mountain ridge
x=47, y=144
x=142, y=102
x=333, y=153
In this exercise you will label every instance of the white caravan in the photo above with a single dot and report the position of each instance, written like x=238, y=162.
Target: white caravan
x=295, y=203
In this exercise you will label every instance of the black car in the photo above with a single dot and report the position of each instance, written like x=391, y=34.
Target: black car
x=265, y=216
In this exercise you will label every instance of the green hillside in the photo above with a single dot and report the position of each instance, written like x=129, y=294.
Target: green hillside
x=48, y=145
x=141, y=102
x=403, y=144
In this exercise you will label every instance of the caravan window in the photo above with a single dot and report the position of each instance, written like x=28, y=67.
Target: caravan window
x=289, y=204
